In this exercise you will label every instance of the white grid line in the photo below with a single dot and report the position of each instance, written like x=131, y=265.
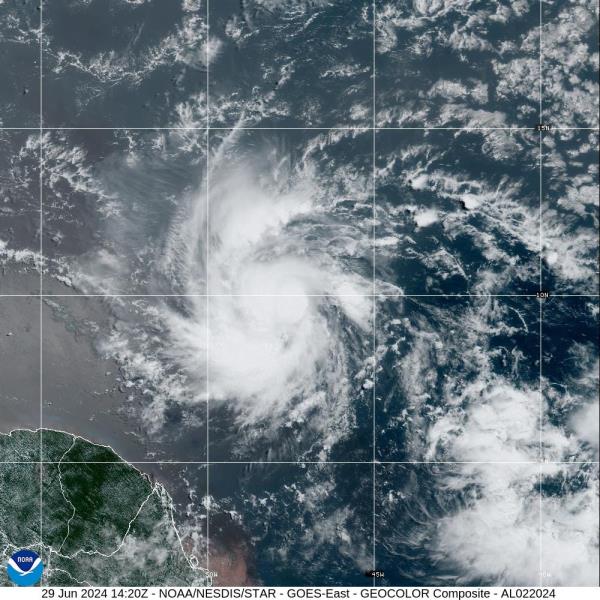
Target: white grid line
x=207, y=307
x=41, y=300
x=332, y=295
x=374, y=289
x=266, y=463
x=333, y=128
x=541, y=310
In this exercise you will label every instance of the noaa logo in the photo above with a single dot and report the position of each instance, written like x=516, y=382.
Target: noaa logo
x=25, y=567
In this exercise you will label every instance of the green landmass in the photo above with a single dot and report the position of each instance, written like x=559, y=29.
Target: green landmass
x=96, y=524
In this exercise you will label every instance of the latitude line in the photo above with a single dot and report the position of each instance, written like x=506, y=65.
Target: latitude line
x=307, y=128
x=324, y=295
x=265, y=463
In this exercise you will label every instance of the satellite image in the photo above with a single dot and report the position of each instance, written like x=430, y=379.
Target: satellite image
x=299, y=293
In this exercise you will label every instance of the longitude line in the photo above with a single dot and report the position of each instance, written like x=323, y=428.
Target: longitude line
x=207, y=303
x=374, y=241
x=41, y=267
x=541, y=309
